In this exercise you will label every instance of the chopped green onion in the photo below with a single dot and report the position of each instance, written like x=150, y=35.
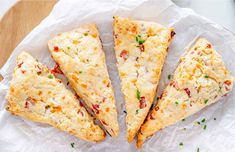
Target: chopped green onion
x=80, y=72
x=85, y=34
x=50, y=77
x=181, y=144
x=169, y=77
x=203, y=120
x=204, y=127
x=137, y=111
x=138, y=94
x=206, y=76
x=176, y=102
x=68, y=47
x=198, y=150
x=198, y=123
x=205, y=101
x=139, y=40
x=72, y=145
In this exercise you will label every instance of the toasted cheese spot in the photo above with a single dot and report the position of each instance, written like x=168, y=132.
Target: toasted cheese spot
x=74, y=77
x=75, y=42
x=107, y=109
x=56, y=109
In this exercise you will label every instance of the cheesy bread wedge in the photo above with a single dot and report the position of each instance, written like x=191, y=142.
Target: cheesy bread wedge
x=81, y=58
x=200, y=80
x=140, y=48
x=35, y=94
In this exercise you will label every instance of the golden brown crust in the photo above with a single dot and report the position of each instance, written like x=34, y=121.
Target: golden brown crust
x=200, y=79
x=140, y=48
x=81, y=58
x=35, y=94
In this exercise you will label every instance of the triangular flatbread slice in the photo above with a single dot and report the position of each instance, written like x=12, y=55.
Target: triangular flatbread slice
x=81, y=58
x=140, y=48
x=37, y=95
x=199, y=80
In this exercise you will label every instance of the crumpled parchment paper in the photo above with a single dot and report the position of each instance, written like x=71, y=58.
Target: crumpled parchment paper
x=17, y=134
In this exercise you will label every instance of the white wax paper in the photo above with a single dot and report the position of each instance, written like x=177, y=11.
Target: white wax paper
x=17, y=134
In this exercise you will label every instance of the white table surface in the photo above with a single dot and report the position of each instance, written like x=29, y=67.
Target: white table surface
x=220, y=11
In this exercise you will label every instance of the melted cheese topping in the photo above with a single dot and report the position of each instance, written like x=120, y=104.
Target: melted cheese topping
x=81, y=58
x=140, y=48
x=37, y=95
x=199, y=80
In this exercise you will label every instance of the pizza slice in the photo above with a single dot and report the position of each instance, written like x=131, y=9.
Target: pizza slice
x=37, y=95
x=140, y=48
x=81, y=58
x=200, y=79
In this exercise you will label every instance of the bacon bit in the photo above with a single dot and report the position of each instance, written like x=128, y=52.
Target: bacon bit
x=227, y=82
x=104, y=99
x=116, y=36
x=96, y=108
x=225, y=95
x=208, y=46
x=59, y=81
x=67, y=83
x=173, y=33
x=156, y=108
x=124, y=54
x=137, y=58
x=151, y=116
x=26, y=105
x=81, y=104
x=56, y=48
x=226, y=88
x=56, y=69
x=188, y=92
x=103, y=122
x=19, y=65
x=80, y=112
x=142, y=102
x=76, y=96
x=108, y=85
x=23, y=71
x=174, y=84
x=142, y=47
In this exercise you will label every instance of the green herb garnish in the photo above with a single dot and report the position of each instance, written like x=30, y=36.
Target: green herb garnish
x=198, y=150
x=169, y=77
x=68, y=47
x=139, y=39
x=50, y=77
x=181, y=144
x=80, y=72
x=85, y=34
x=204, y=127
x=205, y=101
x=206, y=76
x=137, y=111
x=183, y=119
x=198, y=123
x=176, y=102
x=138, y=94
x=203, y=120
x=72, y=145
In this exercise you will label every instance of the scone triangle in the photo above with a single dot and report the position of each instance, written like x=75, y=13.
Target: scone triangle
x=37, y=95
x=199, y=80
x=81, y=58
x=140, y=48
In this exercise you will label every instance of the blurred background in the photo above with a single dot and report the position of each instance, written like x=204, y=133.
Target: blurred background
x=220, y=11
